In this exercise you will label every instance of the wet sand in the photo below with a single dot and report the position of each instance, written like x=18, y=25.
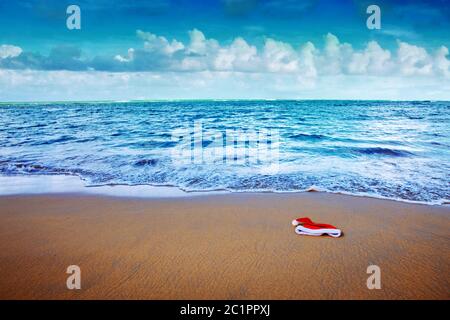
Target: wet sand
x=233, y=246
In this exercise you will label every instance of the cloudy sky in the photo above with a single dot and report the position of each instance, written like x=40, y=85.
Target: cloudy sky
x=224, y=49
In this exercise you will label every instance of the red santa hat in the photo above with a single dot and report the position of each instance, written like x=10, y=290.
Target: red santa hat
x=307, y=227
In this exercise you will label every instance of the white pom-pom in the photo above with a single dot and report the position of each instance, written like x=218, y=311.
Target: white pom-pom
x=295, y=223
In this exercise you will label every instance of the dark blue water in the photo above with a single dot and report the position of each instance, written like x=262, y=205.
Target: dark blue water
x=399, y=150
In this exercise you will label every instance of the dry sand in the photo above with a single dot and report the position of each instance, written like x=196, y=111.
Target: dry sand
x=235, y=246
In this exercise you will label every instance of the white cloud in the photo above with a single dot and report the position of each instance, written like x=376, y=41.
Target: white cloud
x=280, y=57
x=203, y=54
x=442, y=64
x=125, y=59
x=413, y=60
x=238, y=56
x=199, y=45
x=25, y=85
x=308, y=60
x=335, y=55
x=199, y=53
x=373, y=59
x=205, y=68
x=9, y=51
x=160, y=44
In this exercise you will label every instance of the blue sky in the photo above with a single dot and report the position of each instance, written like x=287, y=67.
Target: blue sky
x=269, y=49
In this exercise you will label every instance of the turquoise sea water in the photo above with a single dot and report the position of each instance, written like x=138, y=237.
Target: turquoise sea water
x=398, y=150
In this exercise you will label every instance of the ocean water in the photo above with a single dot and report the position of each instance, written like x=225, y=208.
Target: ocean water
x=398, y=150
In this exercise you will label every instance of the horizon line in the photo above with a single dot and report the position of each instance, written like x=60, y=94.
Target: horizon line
x=212, y=99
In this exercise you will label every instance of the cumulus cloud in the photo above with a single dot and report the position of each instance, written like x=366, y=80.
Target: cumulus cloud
x=441, y=63
x=239, y=55
x=279, y=57
x=373, y=60
x=335, y=58
x=9, y=51
x=154, y=43
x=200, y=53
x=413, y=60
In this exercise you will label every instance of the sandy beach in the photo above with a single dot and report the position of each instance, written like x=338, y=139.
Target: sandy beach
x=233, y=246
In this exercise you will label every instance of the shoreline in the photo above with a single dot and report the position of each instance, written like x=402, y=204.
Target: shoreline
x=72, y=184
x=228, y=246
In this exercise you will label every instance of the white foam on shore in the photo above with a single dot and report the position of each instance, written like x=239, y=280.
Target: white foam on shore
x=59, y=184
x=64, y=184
